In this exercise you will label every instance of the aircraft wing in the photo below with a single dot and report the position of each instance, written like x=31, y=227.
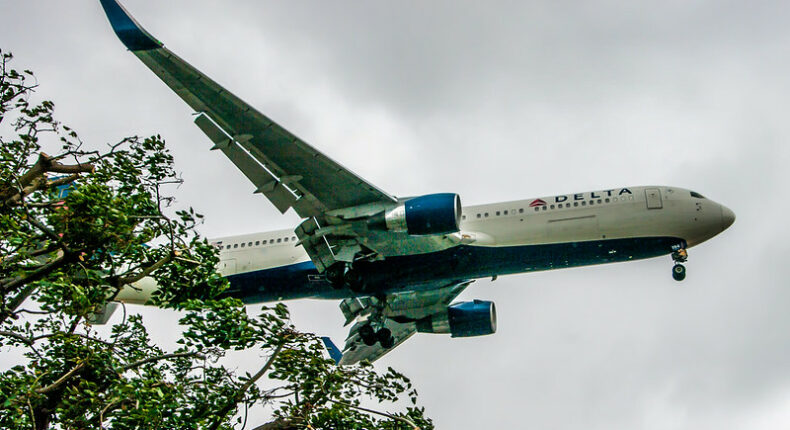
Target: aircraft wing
x=288, y=171
x=399, y=313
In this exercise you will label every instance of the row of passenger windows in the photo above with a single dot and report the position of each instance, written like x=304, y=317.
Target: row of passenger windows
x=256, y=243
x=546, y=207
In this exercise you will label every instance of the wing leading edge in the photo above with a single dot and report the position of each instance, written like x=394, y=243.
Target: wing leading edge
x=288, y=171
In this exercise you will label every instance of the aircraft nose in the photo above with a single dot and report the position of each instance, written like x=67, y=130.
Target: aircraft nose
x=727, y=218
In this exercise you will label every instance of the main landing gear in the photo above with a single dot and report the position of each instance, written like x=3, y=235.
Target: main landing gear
x=370, y=336
x=679, y=270
x=342, y=275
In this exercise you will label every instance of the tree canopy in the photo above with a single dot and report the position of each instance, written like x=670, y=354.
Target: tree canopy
x=79, y=224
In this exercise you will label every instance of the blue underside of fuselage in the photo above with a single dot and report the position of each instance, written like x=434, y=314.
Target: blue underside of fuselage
x=426, y=270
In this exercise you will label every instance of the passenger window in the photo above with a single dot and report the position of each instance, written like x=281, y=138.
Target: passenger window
x=486, y=214
x=478, y=215
x=521, y=210
x=279, y=240
x=249, y=244
x=264, y=242
x=567, y=205
x=575, y=204
x=537, y=208
x=592, y=202
x=552, y=207
x=607, y=200
x=257, y=242
x=235, y=245
x=544, y=208
x=505, y=212
x=584, y=203
x=463, y=216
x=242, y=245
x=293, y=237
x=599, y=201
x=285, y=240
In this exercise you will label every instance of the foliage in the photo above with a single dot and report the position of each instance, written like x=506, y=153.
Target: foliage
x=64, y=257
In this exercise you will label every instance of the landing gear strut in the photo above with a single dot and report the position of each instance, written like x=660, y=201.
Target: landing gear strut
x=334, y=274
x=382, y=336
x=679, y=270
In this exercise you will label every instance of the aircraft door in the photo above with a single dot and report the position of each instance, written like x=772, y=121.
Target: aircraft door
x=653, y=197
x=227, y=267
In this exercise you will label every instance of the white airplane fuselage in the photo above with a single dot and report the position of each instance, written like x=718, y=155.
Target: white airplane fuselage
x=621, y=224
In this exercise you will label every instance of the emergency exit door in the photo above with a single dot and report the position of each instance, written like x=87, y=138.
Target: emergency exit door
x=653, y=197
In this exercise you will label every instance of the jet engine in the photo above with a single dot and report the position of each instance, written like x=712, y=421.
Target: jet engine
x=424, y=215
x=462, y=319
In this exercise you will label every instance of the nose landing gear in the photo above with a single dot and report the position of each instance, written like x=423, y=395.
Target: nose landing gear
x=679, y=270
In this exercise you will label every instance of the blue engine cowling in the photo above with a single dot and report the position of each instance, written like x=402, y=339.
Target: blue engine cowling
x=475, y=318
x=425, y=215
x=462, y=319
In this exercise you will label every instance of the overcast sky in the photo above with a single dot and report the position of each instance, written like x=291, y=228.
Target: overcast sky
x=499, y=101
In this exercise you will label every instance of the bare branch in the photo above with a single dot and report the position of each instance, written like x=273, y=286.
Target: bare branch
x=17, y=336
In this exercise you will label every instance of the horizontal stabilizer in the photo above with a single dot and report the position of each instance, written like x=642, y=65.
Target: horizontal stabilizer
x=128, y=30
x=332, y=349
x=101, y=318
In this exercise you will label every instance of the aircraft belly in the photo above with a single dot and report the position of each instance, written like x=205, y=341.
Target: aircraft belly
x=461, y=262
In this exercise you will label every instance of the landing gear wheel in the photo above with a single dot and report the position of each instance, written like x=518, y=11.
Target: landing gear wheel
x=389, y=343
x=355, y=281
x=385, y=338
x=679, y=272
x=368, y=335
x=334, y=274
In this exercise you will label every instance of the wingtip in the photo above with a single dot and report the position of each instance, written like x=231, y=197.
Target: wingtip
x=332, y=349
x=128, y=30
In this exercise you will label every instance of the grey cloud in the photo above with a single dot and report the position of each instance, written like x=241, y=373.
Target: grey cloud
x=501, y=101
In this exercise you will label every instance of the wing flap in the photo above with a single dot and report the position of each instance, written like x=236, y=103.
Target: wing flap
x=265, y=182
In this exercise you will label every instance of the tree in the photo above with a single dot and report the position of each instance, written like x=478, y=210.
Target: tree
x=79, y=226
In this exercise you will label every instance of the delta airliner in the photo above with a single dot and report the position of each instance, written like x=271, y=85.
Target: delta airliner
x=397, y=264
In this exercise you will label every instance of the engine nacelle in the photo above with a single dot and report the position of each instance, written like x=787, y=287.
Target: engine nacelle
x=462, y=319
x=424, y=215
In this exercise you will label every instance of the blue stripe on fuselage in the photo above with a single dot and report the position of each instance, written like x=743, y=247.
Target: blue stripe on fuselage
x=461, y=262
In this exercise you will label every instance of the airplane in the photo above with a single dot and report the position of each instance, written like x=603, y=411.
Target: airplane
x=397, y=263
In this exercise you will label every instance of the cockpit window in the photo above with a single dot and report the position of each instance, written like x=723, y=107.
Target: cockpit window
x=696, y=195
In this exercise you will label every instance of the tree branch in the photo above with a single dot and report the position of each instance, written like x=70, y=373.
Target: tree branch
x=36, y=275
x=55, y=385
x=160, y=357
x=17, y=336
x=394, y=417
x=240, y=393
x=145, y=272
